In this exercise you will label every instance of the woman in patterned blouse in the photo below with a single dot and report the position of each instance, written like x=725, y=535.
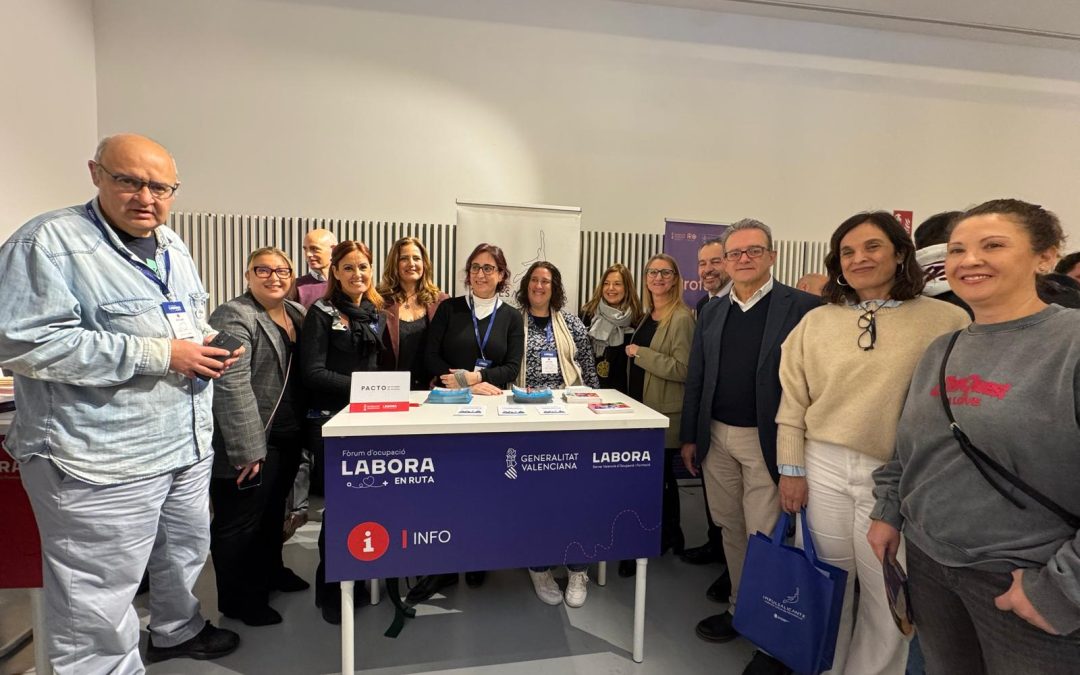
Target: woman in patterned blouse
x=558, y=352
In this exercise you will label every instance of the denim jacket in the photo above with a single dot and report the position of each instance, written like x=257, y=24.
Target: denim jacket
x=85, y=334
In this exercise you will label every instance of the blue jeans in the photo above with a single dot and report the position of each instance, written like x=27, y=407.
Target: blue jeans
x=961, y=631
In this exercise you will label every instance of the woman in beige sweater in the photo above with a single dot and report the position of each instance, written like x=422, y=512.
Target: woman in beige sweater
x=845, y=370
x=659, y=352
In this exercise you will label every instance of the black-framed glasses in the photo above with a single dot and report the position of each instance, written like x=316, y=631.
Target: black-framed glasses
x=664, y=273
x=264, y=272
x=752, y=251
x=130, y=184
x=487, y=270
x=868, y=324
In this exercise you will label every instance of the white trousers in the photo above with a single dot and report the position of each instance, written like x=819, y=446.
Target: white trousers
x=96, y=540
x=839, y=504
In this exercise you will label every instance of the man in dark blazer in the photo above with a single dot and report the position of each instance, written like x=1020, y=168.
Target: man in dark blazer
x=729, y=431
x=714, y=280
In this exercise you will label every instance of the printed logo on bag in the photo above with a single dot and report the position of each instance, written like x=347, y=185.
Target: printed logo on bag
x=970, y=390
x=377, y=468
x=785, y=608
x=368, y=541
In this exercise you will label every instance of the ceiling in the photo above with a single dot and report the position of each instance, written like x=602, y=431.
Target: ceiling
x=1043, y=23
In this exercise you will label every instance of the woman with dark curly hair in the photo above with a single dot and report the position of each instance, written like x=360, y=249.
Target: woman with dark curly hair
x=558, y=353
x=844, y=371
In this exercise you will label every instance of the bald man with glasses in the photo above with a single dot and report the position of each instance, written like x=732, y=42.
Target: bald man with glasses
x=104, y=327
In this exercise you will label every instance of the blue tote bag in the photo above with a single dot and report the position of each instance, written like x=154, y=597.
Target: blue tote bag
x=789, y=601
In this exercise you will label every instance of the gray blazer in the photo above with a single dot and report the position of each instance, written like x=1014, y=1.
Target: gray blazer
x=245, y=395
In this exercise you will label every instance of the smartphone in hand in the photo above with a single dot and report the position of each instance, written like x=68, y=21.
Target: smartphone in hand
x=223, y=341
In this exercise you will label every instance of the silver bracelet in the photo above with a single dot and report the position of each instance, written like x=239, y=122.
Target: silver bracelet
x=461, y=379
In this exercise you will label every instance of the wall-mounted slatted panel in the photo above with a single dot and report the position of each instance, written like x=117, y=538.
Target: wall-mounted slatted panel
x=600, y=250
x=220, y=244
x=796, y=258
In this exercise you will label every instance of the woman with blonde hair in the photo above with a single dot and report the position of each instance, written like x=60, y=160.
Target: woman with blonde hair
x=411, y=296
x=659, y=352
x=611, y=316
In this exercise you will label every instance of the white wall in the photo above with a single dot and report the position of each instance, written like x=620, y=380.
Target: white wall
x=391, y=109
x=48, y=118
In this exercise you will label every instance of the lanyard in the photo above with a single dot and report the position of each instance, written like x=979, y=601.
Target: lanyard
x=549, y=335
x=476, y=327
x=163, y=285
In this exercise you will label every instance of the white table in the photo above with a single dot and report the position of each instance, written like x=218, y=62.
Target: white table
x=441, y=419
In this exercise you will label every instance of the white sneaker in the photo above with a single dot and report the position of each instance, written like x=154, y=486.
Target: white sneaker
x=546, y=588
x=577, y=589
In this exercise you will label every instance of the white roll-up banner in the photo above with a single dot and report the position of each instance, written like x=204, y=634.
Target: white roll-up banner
x=526, y=233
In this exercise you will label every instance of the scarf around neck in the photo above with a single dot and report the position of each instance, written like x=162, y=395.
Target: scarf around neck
x=363, y=320
x=607, y=327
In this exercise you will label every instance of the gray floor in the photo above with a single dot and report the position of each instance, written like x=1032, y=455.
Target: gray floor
x=499, y=628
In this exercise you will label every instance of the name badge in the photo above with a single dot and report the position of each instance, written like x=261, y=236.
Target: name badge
x=549, y=362
x=183, y=328
x=481, y=364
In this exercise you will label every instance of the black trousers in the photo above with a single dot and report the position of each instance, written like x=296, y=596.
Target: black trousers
x=245, y=534
x=324, y=592
x=671, y=535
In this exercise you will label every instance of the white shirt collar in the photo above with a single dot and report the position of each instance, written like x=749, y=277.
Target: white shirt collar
x=753, y=299
x=726, y=288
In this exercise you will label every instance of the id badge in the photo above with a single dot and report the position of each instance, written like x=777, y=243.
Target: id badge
x=481, y=364
x=549, y=362
x=179, y=321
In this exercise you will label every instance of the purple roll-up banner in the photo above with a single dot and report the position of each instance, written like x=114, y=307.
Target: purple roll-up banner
x=431, y=504
x=682, y=239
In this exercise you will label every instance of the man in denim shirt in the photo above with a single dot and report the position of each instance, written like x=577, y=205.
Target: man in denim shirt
x=102, y=319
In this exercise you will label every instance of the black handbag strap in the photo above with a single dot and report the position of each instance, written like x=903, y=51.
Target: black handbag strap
x=981, y=460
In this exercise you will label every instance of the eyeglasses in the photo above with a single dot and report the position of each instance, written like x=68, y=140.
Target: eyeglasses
x=665, y=273
x=868, y=323
x=751, y=251
x=486, y=269
x=130, y=184
x=540, y=282
x=264, y=272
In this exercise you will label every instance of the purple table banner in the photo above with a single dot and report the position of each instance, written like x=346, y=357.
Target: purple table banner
x=681, y=241
x=413, y=505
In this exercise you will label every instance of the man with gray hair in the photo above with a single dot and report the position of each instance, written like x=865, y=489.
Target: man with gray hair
x=318, y=245
x=104, y=327
x=730, y=402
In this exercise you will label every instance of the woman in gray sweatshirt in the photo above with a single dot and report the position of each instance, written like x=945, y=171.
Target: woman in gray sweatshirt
x=994, y=575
